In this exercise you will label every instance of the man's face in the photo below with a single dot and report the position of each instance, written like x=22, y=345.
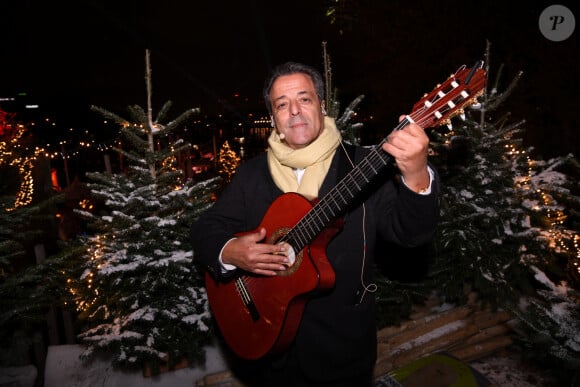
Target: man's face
x=296, y=110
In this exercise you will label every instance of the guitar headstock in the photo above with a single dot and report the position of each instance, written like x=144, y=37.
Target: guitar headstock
x=449, y=98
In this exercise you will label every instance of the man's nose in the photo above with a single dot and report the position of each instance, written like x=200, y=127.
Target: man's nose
x=294, y=109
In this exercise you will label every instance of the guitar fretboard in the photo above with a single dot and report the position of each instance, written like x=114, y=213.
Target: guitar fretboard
x=339, y=198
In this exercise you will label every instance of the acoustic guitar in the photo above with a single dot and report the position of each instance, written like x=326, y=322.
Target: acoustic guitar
x=259, y=315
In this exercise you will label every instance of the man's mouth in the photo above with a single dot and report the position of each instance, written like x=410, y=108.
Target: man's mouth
x=295, y=125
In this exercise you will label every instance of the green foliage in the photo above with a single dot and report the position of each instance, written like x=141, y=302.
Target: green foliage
x=508, y=231
x=140, y=296
x=23, y=227
x=482, y=228
x=492, y=237
x=349, y=130
x=27, y=289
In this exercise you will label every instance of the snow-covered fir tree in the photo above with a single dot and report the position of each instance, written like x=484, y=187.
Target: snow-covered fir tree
x=27, y=288
x=349, y=130
x=489, y=238
x=11, y=245
x=508, y=231
x=140, y=298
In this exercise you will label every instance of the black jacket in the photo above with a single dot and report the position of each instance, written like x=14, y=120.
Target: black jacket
x=337, y=335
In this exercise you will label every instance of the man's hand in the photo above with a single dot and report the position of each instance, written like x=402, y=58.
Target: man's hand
x=408, y=147
x=247, y=252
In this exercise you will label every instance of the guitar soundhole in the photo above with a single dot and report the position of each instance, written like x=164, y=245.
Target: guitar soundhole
x=292, y=267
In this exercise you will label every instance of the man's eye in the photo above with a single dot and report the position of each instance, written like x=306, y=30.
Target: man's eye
x=305, y=100
x=281, y=106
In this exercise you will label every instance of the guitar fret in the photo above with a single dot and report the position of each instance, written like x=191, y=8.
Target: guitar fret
x=317, y=215
x=358, y=187
x=365, y=177
x=311, y=229
x=311, y=223
x=349, y=191
x=330, y=197
x=309, y=232
x=328, y=219
x=332, y=212
x=321, y=221
x=342, y=197
x=301, y=236
x=337, y=198
x=300, y=243
x=383, y=157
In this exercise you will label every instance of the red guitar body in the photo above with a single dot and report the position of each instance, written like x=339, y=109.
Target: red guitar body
x=280, y=300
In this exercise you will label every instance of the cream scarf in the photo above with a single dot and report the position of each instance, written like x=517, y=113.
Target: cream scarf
x=315, y=159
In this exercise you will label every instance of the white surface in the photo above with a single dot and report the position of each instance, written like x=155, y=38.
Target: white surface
x=64, y=368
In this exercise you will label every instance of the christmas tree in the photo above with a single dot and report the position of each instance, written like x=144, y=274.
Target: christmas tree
x=501, y=233
x=29, y=284
x=140, y=298
x=349, y=130
x=17, y=161
x=228, y=161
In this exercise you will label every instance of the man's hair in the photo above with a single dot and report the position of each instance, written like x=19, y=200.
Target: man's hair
x=292, y=68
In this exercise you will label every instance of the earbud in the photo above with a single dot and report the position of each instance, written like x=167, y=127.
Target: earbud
x=272, y=121
x=282, y=136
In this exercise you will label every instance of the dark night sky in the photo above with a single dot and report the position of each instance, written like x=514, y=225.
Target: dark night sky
x=77, y=53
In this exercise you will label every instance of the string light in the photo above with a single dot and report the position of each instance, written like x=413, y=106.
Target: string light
x=561, y=240
x=23, y=160
x=228, y=161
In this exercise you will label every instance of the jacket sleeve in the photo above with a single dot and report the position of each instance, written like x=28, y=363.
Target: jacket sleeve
x=408, y=218
x=239, y=208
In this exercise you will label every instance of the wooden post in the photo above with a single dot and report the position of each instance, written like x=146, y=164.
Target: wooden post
x=108, y=167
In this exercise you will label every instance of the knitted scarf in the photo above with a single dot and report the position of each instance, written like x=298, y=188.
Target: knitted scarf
x=315, y=159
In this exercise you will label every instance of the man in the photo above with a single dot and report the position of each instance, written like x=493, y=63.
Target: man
x=335, y=344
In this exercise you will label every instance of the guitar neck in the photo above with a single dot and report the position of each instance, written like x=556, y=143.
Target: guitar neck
x=338, y=199
x=434, y=109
